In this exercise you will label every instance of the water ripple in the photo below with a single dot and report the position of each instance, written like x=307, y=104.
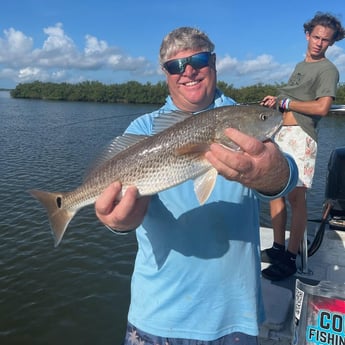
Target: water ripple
x=77, y=293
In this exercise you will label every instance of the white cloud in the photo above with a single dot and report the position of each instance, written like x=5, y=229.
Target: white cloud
x=57, y=41
x=93, y=45
x=14, y=48
x=29, y=73
x=227, y=64
x=262, y=69
x=337, y=55
x=262, y=62
x=59, y=57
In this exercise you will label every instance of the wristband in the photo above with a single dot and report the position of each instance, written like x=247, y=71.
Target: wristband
x=285, y=103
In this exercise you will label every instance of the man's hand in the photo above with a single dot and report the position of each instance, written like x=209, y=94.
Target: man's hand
x=124, y=214
x=269, y=101
x=257, y=165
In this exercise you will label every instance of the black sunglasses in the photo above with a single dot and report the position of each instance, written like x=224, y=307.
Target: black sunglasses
x=197, y=61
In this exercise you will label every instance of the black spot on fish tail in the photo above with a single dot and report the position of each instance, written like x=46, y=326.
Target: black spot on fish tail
x=59, y=217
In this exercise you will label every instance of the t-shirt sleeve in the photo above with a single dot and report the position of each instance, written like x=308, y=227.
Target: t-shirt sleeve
x=327, y=83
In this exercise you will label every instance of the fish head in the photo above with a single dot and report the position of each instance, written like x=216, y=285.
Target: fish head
x=254, y=120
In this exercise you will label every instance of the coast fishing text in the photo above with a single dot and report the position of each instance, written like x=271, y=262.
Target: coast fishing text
x=329, y=331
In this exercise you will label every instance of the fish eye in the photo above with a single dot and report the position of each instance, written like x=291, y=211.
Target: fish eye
x=262, y=117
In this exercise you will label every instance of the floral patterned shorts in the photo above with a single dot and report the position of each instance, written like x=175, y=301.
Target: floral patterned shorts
x=294, y=141
x=137, y=337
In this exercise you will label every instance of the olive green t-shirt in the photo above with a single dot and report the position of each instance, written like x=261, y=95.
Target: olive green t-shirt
x=310, y=81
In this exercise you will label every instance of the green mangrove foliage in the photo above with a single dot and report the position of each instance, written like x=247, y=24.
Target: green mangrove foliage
x=135, y=92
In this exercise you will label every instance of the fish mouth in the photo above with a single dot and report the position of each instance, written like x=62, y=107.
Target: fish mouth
x=274, y=130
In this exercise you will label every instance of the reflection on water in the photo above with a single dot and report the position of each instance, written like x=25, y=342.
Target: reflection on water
x=77, y=293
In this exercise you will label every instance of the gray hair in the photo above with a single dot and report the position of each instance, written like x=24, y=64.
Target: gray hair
x=184, y=38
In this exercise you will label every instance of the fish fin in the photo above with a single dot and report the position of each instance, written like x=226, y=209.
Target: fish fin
x=204, y=184
x=117, y=145
x=166, y=120
x=192, y=149
x=59, y=217
x=122, y=142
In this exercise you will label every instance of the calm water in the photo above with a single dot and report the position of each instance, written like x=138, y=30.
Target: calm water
x=77, y=293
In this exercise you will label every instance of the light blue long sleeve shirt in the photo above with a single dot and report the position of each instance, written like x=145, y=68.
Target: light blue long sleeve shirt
x=197, y=269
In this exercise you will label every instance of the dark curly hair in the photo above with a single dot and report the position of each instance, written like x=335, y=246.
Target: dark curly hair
x=327, y=20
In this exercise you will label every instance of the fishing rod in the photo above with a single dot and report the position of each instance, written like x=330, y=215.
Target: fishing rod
x=250, y=103
x=320, y=233
x=98, y=119
x=130, y=115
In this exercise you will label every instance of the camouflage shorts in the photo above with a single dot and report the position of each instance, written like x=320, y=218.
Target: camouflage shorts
x=137, y=337
x=294, y=141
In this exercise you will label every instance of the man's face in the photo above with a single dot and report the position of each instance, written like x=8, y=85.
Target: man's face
x=193, y=89
x=318, y=41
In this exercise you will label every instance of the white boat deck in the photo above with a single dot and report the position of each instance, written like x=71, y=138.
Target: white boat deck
x=328, y=263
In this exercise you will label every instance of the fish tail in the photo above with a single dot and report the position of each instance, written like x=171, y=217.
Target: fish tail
x=59, y=217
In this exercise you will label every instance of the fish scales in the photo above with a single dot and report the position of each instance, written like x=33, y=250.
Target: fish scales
x=163, y=160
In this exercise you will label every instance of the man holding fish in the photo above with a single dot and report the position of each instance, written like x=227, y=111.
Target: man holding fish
x=197, y=272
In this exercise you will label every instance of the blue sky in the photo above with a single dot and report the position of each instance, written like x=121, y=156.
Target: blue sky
x=115, y=41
